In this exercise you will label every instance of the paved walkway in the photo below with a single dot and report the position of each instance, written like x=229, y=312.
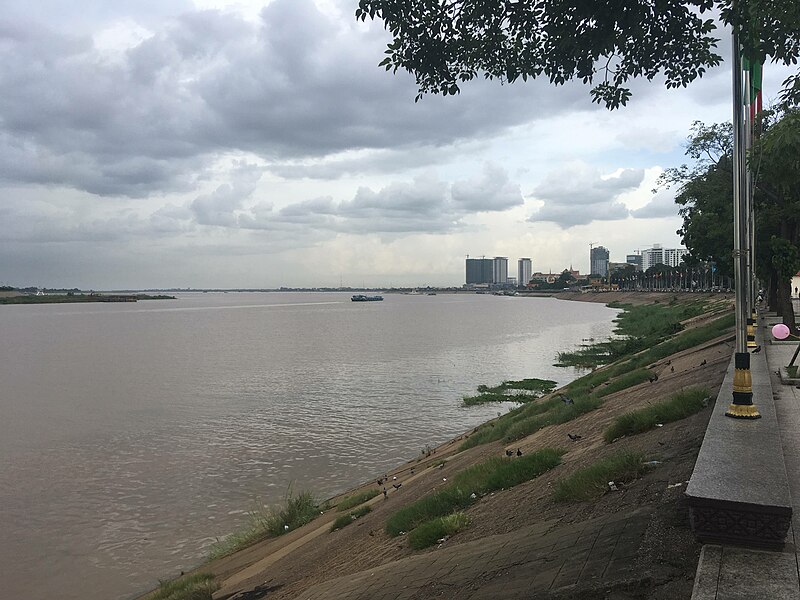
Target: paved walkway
x=510, y=566
x=731, y=573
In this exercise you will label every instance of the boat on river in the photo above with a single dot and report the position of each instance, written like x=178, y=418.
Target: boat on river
x=365, y=298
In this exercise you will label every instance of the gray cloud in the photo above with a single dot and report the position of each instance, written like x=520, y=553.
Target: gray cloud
x=661, y=205
x=297, y=85
x=578, y=194
x=493, y=191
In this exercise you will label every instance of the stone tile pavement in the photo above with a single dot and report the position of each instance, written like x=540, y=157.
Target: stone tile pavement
x=509, y=566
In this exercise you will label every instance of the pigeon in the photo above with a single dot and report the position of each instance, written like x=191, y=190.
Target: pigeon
x=384, y=493
x=703, y=363
x=669, y=362
x=757, y=350
x=396, y=485
x=509, y=453
x=672, y=369
x=653, y=377
x=519, y=452
x=574, y=438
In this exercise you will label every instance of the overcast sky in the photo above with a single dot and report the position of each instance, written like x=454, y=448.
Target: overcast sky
x=160, y=143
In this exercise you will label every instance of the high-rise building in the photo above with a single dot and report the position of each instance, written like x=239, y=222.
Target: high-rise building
x=657, y=255
x=500, y=269
x=479, y=270
x=598, y=261
x=673, y=257
x=652, y=257
x=524, y=271
x=634, y=259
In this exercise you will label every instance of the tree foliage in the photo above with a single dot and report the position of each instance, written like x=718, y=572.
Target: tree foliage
x=705, y=194
x=445, y=43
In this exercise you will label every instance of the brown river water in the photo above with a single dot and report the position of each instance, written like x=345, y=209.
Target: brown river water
x=134, y=435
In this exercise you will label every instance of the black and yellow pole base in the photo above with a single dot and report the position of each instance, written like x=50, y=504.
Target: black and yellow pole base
x=751, y=332
x=742, y=406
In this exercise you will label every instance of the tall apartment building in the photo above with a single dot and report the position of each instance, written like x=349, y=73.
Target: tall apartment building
x=500, y=269
x=657, y=255
x=634, y=259
x=652, y=257
x=524, y=271
x=674, y=256
x=479, y=270
x=598, y=261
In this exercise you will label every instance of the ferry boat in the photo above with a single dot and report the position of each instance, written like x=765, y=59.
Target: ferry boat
x=365, y=298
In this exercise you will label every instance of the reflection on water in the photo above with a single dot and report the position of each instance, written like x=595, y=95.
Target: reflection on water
x=132, y=435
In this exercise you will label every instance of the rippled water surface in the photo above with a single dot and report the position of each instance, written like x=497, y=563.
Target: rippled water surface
x=132, y=435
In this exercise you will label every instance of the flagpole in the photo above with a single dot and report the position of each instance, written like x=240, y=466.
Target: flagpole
x=741, y=406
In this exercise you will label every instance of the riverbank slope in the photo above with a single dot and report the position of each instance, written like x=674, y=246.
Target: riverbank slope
x=632, y=537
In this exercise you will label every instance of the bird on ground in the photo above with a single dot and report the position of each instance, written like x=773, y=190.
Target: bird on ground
x=703, y=363
x=672, y=369
x=653, y=377
x=669, y=362
x=566, y=399
x=379, y=482
x=574, y=438
x=396, y=485
x=509, y=453
x=519, y=452
x=757, y=350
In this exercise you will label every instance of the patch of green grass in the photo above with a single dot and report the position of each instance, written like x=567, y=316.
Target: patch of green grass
x=357, y=499
x=639, y=328
x=345, y=520
x=536, y=387
x=625, y=381
x=679, y=406
x=493, y=474
x=431, y=532
x=560, y=413
x=592, y=482
x=297, y=510
x=192, y=587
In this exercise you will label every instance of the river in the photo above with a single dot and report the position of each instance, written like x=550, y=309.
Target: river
x=133, y=435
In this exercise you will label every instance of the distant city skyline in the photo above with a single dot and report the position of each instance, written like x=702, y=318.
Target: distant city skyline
x=221, y=144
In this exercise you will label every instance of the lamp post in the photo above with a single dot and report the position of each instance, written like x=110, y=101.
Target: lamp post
x=741, y=406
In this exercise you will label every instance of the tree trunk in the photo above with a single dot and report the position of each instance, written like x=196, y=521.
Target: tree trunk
x=785, y=294
x=772, y=292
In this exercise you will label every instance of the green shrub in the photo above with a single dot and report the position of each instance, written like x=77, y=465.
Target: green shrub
x=345, y=520
x=679, y=406
x=625, y=381
x=431, y=532
x=357, y=499
x=592, y=482
x=269, y=522
x=493, y=474
x=192, y=587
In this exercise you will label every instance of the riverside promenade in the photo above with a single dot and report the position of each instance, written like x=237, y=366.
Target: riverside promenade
x=733, y=572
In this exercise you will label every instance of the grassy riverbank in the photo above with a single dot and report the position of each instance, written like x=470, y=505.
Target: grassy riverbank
x=71, y=298
x=635, y=421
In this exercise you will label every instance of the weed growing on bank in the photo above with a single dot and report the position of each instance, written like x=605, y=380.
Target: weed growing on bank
x=593, y=481
x=192, y=587
x=434, y=531
x=296, y=511
x=468, y=485
x=677, y=407
x=345, y=520
x=638, y=328
x=357, y=499
x=533, y=388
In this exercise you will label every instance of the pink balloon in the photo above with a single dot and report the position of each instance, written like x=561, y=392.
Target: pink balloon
x=780, y=331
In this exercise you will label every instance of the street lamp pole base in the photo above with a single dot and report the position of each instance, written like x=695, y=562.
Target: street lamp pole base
x=742, y=406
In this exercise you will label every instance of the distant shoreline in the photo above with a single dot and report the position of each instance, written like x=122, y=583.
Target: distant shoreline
x=77, y=298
